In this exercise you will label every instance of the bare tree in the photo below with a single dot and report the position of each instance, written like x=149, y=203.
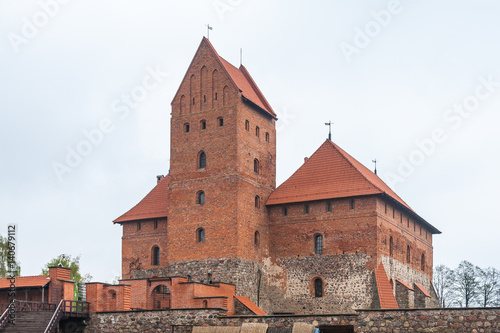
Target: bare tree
x=443, y=283
x=488, y=286
x=466, y=284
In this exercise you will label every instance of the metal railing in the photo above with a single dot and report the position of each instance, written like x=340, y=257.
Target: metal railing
x=4, y=317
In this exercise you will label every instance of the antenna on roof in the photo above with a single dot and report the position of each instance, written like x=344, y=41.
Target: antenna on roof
x=375, y=161
x=329, y=124
x=241, y=56
x=208, y=31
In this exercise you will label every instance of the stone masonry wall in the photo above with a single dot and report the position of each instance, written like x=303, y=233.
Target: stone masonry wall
x=396, y=321
x=347, y=284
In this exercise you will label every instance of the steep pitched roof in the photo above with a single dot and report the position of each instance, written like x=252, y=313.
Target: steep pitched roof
x=154, y=204
x=422, y=289
x=332, y=173
x=250, y=305
x=242, y=81
x=26, y=281
x=385, y=294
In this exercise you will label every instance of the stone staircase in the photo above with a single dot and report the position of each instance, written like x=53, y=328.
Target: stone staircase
x=29, y=322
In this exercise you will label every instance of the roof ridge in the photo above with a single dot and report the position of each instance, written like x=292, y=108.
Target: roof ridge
x=343, y=153
x=260, y=95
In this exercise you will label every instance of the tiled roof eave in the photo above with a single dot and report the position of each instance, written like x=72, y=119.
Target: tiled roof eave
x=140, y=218
x=260, y=109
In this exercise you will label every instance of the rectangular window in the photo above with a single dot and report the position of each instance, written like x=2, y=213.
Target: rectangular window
x=306, y=209
x=352, y=204
x=138, y=226
x=155, y=224
x=328, y=206
x=285, y=211
x=220, y=121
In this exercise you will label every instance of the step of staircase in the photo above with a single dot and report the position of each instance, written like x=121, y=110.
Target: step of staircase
x=29, y=322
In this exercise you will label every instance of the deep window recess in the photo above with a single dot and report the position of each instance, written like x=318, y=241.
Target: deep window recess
x=257, y=131
x=200, y=198
x=267, y=136
x=256, y=166
x=220, y=121
x=200, y=235
x=247, y=125
x=186, y=128
x=318, y=244
x=306, y=208
x=155, y=256
x=285, y=211
x=203, y=124
x=328, y=206
x=202, y=160
x=257, y=201
x=318, y=287
x=256, y=240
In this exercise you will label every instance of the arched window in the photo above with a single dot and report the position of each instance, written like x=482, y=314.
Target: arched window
x=408, y=254
x=202, y=160
x=247, y=125
x=256, y=240
x=391, y=247
x=318, y=287
x=182, y=104
x=203, y=124
x=422, y=262
x=257, y=201
x=318, y=244
x=256, y=166
x=200, y=198
x=267, y=136
x=257, y=131
x=200, y=235
x=155, y=256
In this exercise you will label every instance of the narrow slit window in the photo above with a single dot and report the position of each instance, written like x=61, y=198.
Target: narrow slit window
x=353, y=204
x=155, y=256
x=220, y=121
x=200, y=198
x=328, y=206
x=186, y=128
x=318, y=244
x=256, y=166
x=247, y=125
x=267, y=136
x=257, y=201
x=200, y=235
x=318, y=287
x=306, y=209
x=285, y=211
x=257, y=131
x=202, y=160
x=203, y=124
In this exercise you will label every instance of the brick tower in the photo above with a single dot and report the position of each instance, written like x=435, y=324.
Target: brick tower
x=211, y=216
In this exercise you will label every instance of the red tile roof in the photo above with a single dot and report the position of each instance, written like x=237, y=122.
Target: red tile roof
x=404, y=284
x=242, y=81
x=332, y=173
x=251, y=306
x=26, y=281
x=154, y=204
x=422, y=289
x=385, y=294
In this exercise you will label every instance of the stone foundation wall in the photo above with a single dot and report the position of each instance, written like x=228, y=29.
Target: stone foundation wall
x=396, y=321
x=347, y=284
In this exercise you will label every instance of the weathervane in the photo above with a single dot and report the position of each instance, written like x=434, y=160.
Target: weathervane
x=375, y=161
x=329, y=124
x=208, y=31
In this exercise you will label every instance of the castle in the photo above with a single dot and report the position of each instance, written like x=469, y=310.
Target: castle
x=216, y=232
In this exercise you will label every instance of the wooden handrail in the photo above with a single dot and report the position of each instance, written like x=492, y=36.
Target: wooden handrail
x=54, y=321
x=3, y=318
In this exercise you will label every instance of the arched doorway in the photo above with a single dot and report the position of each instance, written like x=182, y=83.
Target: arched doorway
x=161, y=297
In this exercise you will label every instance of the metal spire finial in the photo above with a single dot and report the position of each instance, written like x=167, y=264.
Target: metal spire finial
x=329, y=124
x=375, y=161
x=208, y=31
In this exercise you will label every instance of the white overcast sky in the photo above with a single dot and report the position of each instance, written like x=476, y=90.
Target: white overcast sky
x=399, y=84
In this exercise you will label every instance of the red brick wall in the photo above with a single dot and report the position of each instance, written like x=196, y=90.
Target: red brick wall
x=137, y=244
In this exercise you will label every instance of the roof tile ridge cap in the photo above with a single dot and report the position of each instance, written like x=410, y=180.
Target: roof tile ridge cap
x=292, y=174
x=28, y=276
x=256, y=89
x=343, y=153
x=158, y=184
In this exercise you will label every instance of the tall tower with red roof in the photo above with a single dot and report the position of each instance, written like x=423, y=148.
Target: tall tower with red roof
x=332, y=238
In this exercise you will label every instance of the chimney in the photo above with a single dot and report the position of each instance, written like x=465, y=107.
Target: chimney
x=159, y=178
x=306, y=159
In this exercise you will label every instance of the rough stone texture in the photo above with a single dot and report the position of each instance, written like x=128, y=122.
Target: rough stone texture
x=417, y=320
x=348, y=284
